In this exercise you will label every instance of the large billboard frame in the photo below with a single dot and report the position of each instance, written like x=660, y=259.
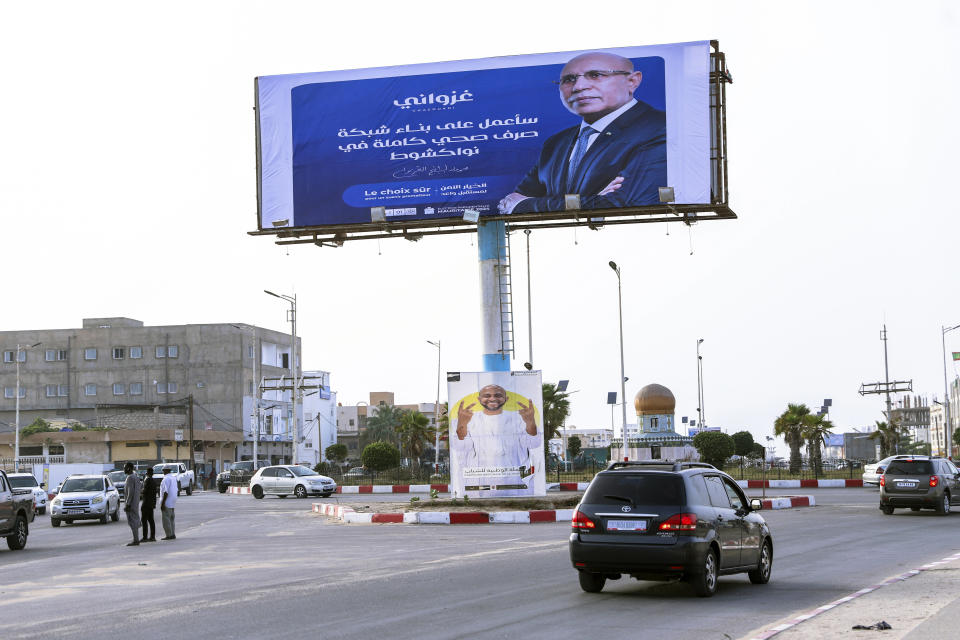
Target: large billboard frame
x=331, y=235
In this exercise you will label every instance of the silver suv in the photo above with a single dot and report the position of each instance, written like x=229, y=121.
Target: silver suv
x=919, y=482
x=85, y=497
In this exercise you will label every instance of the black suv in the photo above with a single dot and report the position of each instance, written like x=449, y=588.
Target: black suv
x=661, y=520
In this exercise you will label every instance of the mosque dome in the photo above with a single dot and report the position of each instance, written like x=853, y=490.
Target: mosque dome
x=654, y=399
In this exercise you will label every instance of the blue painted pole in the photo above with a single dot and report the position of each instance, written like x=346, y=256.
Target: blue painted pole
x=492, y=246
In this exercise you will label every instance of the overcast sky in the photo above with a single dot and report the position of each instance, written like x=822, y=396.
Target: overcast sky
x=127, y=187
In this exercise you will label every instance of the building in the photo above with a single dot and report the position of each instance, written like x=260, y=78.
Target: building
x=913, y=417
x=591, y=438
x=148, y=389
x=352, y=419
x=938, y=437
x=658, y=438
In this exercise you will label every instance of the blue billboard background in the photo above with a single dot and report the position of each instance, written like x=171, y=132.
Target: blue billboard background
x=427, y=146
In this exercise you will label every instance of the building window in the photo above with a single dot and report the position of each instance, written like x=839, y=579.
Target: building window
x=10, y=356
x=285, y=360
x=171, y=387
x=118, y=353
x=52, y=355
x=161, y=352
x=308, y=444
x=89, y=389
x=161, y=387
x=172, y=351
x=10, y=392
x=351, y=422
x=51, y=391
x=136, y=352
x=90, y=353
x=136, y=388
x=250, y=351
x=118, y=388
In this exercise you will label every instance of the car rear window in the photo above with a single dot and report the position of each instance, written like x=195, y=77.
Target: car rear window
x=648, y=489
x=910, y=467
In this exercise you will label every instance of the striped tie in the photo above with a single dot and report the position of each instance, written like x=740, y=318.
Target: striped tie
x=578, y=152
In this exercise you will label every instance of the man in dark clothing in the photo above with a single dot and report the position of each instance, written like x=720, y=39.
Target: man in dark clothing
x=149, y=498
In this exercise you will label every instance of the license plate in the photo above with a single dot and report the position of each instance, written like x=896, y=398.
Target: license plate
x=626, y=525
x=74, y=511
x=906, y=485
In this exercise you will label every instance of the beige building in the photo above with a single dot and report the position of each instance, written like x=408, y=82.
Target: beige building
x=352, y=419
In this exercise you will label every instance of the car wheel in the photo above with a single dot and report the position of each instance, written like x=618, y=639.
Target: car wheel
x=222, y=488
x=103, y=518
x=705, y=580
x=190, y=490
x=18, y=539
x=887, y=510
x=943, y=508
x=761, y=575
x=54, y=522
x=592, y=582
x=116, y=514
x=42, y=510
x=257, y=491
x=300, y=492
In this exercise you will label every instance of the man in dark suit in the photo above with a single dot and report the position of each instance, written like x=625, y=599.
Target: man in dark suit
x=149, y=497
x=616, y=156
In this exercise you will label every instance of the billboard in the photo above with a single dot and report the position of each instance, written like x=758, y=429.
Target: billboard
x=496, y=434
x=516, y=136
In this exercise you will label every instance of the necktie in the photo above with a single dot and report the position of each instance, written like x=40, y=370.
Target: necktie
x=578, y=151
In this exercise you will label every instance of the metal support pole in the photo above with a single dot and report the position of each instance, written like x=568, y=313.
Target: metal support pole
x=886, y=374
x=436, y=414
x=623, y=375
x=16, y=446
x=529, y=299
x=491, y=245
x=946, y=394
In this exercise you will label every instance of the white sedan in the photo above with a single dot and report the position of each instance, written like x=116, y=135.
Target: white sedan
x=290, y=480
x=872, y=472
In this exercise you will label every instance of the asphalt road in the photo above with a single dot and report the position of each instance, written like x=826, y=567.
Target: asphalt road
x=244, y=568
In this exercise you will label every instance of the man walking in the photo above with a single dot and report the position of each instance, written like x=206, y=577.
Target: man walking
x=149, y=503
x=168, y=500
x=131, y=499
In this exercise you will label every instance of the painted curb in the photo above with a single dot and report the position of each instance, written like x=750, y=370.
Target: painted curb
x=772, y=631
x=797, y=484
x=241, y=490
x=347, y=514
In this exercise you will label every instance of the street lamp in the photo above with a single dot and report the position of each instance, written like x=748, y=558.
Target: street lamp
x=293, y=364
x=700, y=408
x=623, y=378
x=255, y=410
x=436, y=414
x=16, y=446
x=946, y=394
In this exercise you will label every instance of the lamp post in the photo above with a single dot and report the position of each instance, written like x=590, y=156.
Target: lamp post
x=769, y=440
x=436, y=414
x=946, y=394
x=293, y=365
x=700, y=408
x=529, y=299
x=623, y=379
x=16, y=446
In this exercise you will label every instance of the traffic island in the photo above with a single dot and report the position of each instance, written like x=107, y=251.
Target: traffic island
x=524, y=511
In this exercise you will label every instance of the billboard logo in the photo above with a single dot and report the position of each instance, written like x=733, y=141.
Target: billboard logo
x=429, y=211
x=406, y=211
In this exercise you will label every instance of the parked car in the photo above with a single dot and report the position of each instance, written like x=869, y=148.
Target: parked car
x=290, y=480
x=919, y=482
x=358, y=473
x=16, y=513
x=119, y=480
x=872, y=472
x=85, y=497
x=184, y=476
x=236, y=470
x=27, y=481
x=661, y=520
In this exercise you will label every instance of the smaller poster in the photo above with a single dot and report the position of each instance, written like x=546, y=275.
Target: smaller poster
x=496, y=434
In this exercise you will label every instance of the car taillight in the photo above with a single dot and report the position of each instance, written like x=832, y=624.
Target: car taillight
x=883, y=481
x=582, y=523
x=680, y=522
x=880, y=470
x=934, y=481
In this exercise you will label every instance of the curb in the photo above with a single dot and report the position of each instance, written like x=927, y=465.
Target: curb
x=797, y=484
x=347, y=514
x=243, y=490
x=789, y=624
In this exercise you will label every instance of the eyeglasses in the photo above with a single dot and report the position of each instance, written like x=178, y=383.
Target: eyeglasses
x=593, y=74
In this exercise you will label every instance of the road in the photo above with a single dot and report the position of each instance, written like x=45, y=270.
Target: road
x=242, y=567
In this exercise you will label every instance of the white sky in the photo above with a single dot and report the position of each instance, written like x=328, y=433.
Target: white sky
x=127, y=186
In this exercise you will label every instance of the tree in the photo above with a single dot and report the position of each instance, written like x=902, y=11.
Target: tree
x=336, y=452
x=379, y=456
x=889, y=437
x=382, y=425
x=791, y=424
x=573, y=446
x=556, y=408
x=742, y=445
x=714, y=447
x=956, y=437
x=815, y=432
x=415, y=433
x=757, y=452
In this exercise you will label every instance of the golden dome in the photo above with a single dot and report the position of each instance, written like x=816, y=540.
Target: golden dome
x=654, y=399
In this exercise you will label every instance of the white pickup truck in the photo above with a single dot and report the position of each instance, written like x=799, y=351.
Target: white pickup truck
x=184, y=476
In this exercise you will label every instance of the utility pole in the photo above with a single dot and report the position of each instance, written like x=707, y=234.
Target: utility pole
x=190, y=423
x=886, y=387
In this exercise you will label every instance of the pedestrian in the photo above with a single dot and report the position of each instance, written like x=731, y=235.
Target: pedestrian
x=168, y=500
x=131, y=499
x=148, y=496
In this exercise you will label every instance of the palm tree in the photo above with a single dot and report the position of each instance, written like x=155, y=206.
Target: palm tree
x=791, y=424
x=415, y=433
x=815, y=433
x=382, y=425
x=556, y=408
x=889, y=437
